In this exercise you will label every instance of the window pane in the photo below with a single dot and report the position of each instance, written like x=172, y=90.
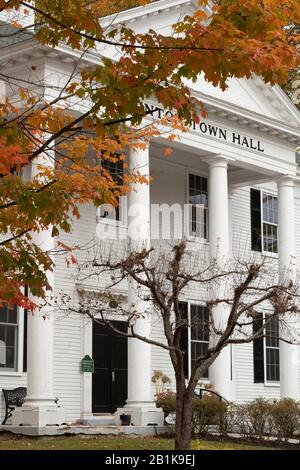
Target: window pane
x=2, y=354
x=265, y=208
x=199, y=323
x=270, y=221
x=3, y=314
x=12, y=315
x=275, y=240
x=199, y=333
x=198, y=350
x=270, y=238
x=198, y=198
x=275, y=199
x=10, y=358
x=272, y=332
x=266, y=237
x=270, y=209
x=272, y=349
x=10, y=335
x=197, y=190
x=2, y=333
x=115, y=169
x=8, y=343
x=272, y=365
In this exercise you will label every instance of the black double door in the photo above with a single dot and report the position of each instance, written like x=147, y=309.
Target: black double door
x=109, y=389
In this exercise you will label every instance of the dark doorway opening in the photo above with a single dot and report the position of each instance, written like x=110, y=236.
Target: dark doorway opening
x=109, y=389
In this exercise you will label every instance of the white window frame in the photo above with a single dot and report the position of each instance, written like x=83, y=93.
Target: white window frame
x=19, y=348
x=190, y=236
x=122, y=222
x=109, y=221
x=269, y=383
x=201, y=304
x=262, y=222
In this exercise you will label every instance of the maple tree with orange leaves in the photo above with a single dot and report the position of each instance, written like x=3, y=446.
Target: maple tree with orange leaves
x=233, y=39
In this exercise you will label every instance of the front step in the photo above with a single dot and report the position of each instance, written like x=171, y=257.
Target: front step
x=98, y=420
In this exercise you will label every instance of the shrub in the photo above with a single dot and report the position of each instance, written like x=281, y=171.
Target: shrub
x=166, y=401
x=209, y=411
x=286, y=417
x=253, y=418
x=256, y=418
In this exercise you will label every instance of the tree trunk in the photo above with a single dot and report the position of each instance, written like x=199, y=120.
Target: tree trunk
x=184, y=411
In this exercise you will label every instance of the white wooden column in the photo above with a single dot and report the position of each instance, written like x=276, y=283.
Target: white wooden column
x=40, y=408
x=289, y=354
x=219, y=248
x=139, y=404
x=232, y=347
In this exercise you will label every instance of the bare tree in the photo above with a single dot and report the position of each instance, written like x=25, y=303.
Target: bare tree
x=163, y=278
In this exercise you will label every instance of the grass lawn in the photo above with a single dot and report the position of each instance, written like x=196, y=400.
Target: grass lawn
x=12, y=442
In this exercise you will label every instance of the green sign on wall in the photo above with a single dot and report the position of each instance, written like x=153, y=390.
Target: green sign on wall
x=87, y=364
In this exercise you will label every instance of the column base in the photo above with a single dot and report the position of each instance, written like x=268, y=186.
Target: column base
x=38, y=416
x=141, y=414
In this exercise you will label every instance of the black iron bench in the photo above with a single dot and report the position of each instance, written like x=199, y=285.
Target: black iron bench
x=13, y=398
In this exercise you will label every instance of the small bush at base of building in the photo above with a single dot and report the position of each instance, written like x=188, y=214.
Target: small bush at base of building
x=166, y=401
x=258, y=418
x=209, y=411
x=285, y=415
x=253, y=419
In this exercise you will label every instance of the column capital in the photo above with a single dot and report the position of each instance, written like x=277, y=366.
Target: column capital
x=287, y=180
x=218, y=160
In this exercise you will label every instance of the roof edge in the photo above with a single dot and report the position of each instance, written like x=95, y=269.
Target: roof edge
x=137, y=12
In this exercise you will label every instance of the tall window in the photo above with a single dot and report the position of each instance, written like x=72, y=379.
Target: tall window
x=270, y=223
x=266, y=363
x=272, y=350
x=198, y=206
x=264, y=222
x=199, y=339
x=195, y=339
x=8, y=337
x=115, y=168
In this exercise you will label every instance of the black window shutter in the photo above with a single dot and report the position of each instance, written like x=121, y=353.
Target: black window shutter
x=258, y=352
x=255, y=220
x=184, y=341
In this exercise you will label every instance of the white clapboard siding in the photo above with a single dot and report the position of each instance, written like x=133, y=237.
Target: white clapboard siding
x=68, y=340
x=68, y=327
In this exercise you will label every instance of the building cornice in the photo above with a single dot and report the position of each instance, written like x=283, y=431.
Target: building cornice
x=16, y=55
x=244, y=117
x=153, y=8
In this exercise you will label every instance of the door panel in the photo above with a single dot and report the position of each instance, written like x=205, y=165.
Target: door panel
x=110, y=375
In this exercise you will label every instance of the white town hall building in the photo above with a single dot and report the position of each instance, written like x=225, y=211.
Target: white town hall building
x=240, y=164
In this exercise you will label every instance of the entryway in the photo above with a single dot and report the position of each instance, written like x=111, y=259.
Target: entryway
x=109, y=383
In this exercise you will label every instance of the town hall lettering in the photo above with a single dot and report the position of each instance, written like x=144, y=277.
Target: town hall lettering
x=212, y=130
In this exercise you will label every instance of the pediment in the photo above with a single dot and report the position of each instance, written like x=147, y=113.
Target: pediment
x=251, y=94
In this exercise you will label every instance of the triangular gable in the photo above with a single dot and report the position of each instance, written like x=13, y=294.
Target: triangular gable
x=251, y=94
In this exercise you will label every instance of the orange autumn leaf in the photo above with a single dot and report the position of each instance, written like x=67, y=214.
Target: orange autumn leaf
x=168, y=152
